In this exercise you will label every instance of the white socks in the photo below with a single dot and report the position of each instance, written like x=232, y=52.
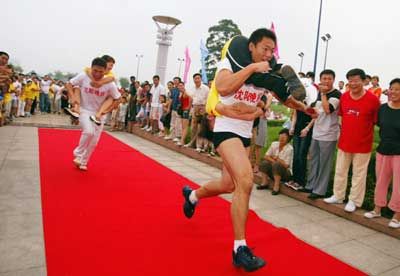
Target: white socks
x=193, y=198
x=237, y=243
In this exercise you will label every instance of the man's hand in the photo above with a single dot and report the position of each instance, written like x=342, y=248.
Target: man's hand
x=323, y=89
x=311, y=112
x=261, y=67
x=95, y=84
x=304, y=132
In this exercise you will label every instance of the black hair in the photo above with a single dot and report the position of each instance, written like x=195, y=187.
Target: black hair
x=171, y=82
x=99, y=62
x=310, y=75
x=132, y=77
x=396, y=80
x=285, y=131
x=156, y=77
x=327, y=72
x=356, y=72
x=196, y=74
x=108, y=58
x=368, y=76
x=4, y=53
x=259, y=34
x=302, y=75
x=177, y=78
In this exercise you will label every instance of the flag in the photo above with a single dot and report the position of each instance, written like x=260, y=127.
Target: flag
x=187, y=65
x=276, y=50
x=204, y=54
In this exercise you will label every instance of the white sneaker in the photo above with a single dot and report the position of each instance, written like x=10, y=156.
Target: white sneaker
x=333, y=200
x=372, y=214
x=148, y=129
x=350, y=207
x=77, y=162
x=176, y=140
x=178, y=143
x=167, y=137
x=198, y=150
x=186, y=145
x=394, y=223
x=83, y=167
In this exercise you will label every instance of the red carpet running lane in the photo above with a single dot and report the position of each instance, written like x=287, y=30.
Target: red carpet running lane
x=124, y=217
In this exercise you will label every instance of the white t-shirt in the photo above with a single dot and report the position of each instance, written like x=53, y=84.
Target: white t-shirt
x=286, y=154
x=45, y=86
x=155, y=95
x=199, y=95
x=92, y=98
x=248, y=94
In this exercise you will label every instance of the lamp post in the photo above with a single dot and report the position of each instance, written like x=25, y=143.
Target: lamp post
x=326, y=39
x=180, y=65
x=316, y=46
x=301, y=55
x=138, y=56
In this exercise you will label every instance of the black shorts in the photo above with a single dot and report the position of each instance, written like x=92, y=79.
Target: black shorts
x=219, y=137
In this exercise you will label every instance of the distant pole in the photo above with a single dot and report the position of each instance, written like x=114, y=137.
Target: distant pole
x=301, y=55
x=317, y=43
x=180, y=65
x=138, y=64
x=326, y=39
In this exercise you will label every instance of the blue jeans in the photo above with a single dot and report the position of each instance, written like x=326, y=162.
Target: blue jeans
x=300, y=151
x=44, y=102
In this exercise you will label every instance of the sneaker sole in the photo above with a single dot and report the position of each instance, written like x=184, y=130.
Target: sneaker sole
x=71, y=113
x=289, y=74
x=95, y=121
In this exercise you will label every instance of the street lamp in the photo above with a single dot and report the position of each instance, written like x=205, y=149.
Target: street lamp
x=301, y=55
x=316, y=46
x=138, y=56
x=326, y=39
x=180, y=65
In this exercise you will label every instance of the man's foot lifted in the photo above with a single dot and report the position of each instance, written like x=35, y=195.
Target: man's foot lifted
x=295, y=87
x=188, y=206
x=71, y=112
x=95, y=120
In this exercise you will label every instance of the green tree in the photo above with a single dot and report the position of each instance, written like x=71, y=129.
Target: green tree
x=219, y=35
x=124, y=82
x=17, y=68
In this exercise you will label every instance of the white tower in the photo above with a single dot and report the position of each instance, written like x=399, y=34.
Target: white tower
x=164, y=40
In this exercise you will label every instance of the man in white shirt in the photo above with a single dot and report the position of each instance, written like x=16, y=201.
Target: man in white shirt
x=44, y=101
x=232, y=141
x=199, y=95
x=91, y=99
x=155, y=112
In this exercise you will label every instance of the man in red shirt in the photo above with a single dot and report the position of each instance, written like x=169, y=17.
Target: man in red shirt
x=359, y=109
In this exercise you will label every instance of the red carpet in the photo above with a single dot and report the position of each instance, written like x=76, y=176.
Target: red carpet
x=124, y=217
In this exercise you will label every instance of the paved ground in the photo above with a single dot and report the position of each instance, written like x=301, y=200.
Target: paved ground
x=21, y=234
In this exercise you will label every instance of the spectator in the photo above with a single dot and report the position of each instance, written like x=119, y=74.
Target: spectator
x=186, y=103
x=388, y=156
x=176, y=124
x=324, y=136
x=277, y=163
x=199, y=94
x=375, y=88
x=302, y=129
x=359, y=110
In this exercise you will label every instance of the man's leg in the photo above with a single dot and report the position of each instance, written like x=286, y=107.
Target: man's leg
x=327, y=149
x=314, y=165
x=358, y=180
x=343, y=161
x=86, y=137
